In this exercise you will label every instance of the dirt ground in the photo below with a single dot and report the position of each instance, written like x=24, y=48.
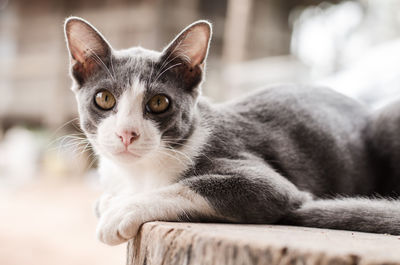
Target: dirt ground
x=52, y=223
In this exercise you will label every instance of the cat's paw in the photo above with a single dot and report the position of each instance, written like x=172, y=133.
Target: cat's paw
x=120, y=223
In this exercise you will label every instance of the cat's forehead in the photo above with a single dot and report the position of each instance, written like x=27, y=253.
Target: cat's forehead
x=136, y=58
x=132, y=64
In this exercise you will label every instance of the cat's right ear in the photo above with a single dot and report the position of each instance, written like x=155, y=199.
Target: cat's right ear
x=189, y=51
x=88, y=49
x=192, y=44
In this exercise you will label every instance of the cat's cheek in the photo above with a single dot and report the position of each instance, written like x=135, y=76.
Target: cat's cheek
x=106, y=139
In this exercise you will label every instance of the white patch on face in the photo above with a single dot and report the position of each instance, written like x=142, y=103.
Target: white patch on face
x=158, y=169
x=129, y=117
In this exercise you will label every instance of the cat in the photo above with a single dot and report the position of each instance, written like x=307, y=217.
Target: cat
x=285, y=154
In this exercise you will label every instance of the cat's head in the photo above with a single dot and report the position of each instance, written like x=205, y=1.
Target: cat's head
x=134, y=102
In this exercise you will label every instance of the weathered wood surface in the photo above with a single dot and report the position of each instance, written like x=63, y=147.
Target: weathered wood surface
x=193, y=243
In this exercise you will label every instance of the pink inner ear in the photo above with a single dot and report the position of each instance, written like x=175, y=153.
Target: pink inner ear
x=195, y=44
x=84, y=40
x=77, y=54
x=197, y=48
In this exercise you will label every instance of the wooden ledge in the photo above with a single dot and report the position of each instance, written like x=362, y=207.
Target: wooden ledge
x=194, y=243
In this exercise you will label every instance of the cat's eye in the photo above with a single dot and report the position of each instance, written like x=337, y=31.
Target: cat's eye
x=104, y=100
x=158, y=104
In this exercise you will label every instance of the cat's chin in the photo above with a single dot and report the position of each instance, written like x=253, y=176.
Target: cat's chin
x=127, y=153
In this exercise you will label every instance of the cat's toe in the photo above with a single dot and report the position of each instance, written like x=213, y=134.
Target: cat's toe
x=129, y=226
x=107, y=231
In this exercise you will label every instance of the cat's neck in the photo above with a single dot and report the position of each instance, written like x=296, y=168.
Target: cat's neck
x=160, y=168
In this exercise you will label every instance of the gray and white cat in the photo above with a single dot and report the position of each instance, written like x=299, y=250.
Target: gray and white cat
x=282, y=155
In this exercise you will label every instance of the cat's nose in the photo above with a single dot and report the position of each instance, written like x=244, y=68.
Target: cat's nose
x=128, y=137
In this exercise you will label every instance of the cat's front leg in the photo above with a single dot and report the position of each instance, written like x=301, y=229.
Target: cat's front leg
x=102, y=204
x=123, y=217
x=107, y=199
x=247, y=191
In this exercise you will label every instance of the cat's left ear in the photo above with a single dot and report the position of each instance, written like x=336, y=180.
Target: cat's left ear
x=191, y=45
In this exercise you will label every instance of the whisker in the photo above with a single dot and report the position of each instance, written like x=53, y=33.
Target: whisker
x=63, y=125
x=174, y=157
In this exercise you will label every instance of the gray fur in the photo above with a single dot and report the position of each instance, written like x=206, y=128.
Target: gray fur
x=357, y=214
x=276, y=156
x=383, y=136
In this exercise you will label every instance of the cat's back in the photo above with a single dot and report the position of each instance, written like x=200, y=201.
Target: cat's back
x=311, y=135
x=282, y=101
x=301, y=111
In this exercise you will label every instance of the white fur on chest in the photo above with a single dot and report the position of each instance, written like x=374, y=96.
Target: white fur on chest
x=141, y=177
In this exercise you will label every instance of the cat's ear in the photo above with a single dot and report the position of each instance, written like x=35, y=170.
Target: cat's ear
x=192, y=44
x=88, y=49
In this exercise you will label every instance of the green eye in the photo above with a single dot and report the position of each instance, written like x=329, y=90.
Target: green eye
x=104, y=100
x=157, y=104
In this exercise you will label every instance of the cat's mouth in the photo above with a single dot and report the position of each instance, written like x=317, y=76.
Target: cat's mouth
x=127, y=153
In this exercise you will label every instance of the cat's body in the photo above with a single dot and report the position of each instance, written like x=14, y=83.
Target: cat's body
x=310, y=135
x=168, y=154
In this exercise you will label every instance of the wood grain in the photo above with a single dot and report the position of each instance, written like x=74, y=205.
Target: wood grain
x=193, y=243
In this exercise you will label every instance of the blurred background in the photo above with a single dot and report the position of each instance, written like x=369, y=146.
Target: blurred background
x=48, y=181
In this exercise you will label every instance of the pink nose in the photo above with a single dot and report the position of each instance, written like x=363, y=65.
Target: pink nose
x=128, y=137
